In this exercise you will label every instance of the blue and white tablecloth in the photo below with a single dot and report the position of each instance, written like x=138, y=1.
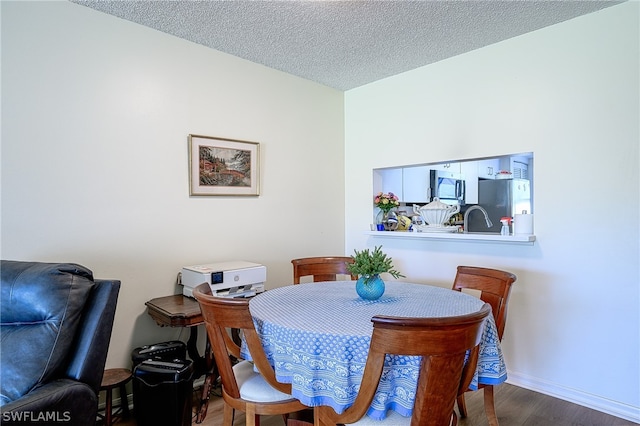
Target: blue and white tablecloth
x=317, y=337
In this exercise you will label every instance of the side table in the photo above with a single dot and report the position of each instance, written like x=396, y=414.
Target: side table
x=182, y=311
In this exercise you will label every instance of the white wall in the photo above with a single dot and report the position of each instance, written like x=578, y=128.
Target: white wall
x=96, y=113
x=95, y=117
x=569, y=93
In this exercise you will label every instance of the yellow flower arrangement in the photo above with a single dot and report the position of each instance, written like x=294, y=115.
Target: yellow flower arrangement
x=386, y=202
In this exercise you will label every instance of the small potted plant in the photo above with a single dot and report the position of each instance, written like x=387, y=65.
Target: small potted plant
x=368, y=265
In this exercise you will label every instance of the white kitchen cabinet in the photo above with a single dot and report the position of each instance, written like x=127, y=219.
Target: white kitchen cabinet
x=410, y=184
x=446, y=167
x=415, y=184
x=487, y=169
x=470, y=171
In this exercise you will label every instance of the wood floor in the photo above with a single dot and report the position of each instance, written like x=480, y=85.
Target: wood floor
x=515, y=406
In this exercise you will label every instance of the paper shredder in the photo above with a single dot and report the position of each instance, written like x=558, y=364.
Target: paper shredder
x=162, y=392
x=174, y=349
x=162, y=384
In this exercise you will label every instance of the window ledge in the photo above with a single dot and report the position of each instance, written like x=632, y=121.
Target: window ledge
x=454, y=236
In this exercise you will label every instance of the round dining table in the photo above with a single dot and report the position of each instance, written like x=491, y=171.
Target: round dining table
x=317, y=337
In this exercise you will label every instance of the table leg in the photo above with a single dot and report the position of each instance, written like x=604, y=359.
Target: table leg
x=199, y=362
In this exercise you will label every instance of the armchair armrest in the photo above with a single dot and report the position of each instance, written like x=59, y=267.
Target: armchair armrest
x=63, y=401
x=94, y=334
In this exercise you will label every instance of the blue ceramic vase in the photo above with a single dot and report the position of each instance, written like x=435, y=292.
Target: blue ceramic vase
x=370, y=287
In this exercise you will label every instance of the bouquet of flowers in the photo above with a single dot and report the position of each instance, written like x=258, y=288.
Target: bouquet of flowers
x=386, y=201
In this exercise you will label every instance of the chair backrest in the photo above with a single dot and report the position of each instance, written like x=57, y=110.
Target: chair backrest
x=321, y=268
x=494, y=286
x=442, y=343
x=222, y=314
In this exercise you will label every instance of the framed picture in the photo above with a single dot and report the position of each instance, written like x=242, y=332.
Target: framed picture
x=220, y=166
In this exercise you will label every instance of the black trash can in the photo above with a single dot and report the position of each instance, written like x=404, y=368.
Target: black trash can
x=162, y=392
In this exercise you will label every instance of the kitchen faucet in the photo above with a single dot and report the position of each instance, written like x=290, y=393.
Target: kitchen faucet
x=466, y=217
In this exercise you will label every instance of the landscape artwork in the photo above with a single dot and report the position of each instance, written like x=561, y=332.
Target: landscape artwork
x=223, y=166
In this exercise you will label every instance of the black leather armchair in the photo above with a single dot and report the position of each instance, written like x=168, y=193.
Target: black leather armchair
x=56, y=323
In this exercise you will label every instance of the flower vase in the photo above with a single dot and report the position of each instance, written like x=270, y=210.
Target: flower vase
x=370, y=287
x=380, y=221
x=388, y=219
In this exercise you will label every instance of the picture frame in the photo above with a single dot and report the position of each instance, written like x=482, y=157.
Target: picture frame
x=221, y=166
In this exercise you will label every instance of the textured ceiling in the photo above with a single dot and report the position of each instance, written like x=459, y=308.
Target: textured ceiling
x=346, y=44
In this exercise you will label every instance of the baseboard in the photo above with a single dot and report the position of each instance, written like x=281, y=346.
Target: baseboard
x=614, y=408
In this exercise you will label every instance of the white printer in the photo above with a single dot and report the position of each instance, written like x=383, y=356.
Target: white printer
x=226, y=279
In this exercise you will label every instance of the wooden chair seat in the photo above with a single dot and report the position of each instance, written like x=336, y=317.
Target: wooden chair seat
x=253, y=387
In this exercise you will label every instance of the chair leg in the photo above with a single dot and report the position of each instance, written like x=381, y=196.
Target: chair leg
x=124, y=401
x=251, y=417
x=227, y=416
x=108, y=415
x=462, y=406
x=489, y=406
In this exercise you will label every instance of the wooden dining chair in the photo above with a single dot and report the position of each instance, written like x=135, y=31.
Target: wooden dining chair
x=442, y=343
x=494, y=286
x=321, y=268
x=242, y=388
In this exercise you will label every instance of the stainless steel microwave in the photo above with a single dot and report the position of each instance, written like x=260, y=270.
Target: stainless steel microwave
x=449, y=187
